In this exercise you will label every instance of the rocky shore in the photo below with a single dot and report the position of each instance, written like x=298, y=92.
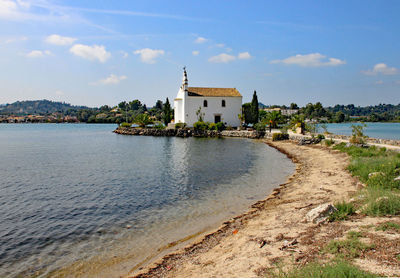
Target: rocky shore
x=189, y=132
x=252, y=134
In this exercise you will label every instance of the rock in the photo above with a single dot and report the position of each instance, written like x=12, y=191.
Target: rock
x=309, y=141
x=128, y=226
x=320, y=213
x=375, y=174
x=397, y=179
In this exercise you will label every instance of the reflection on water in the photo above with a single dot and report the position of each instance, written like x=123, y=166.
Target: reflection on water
x=78, y=200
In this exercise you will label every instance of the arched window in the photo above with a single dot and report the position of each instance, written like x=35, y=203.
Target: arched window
x=205, y=103
x=223, y=103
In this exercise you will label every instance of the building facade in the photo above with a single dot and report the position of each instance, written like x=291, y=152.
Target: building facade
x=214, y=104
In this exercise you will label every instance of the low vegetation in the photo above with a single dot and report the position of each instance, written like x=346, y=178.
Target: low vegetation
x=344, y=210
x=349, y=248
x=335, y=269
x=388, y=226
x=280, y=136
x=378, y=168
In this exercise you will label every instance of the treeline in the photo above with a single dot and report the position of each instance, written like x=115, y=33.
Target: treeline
x=40, y=107
x=346, y=113
x=127, y=112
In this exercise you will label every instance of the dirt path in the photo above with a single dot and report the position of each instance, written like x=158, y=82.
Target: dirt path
x=250, y=243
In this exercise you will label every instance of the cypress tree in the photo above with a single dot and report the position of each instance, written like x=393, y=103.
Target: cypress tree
x=167, y=117
x=254, y=109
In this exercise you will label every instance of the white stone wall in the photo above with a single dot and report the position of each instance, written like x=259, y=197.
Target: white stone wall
x=179, y=108
x=229, y=113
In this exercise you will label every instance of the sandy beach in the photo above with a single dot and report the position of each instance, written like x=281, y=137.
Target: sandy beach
x=273, y=229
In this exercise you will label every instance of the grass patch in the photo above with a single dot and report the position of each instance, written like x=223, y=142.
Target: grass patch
x=381, y=201
x=388, y=226
x=337, y=269
x=383, y=191
x=343, y=211
x=329, y=142
x=349, y=248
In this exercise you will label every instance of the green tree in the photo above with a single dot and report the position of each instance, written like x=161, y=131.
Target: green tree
x=123, y=105
x=159, y=105
x=167, y=112
x=293, y=106
x=246, y=113
x=254, y=109
x=142, y=120
x=339, y=117
x=274, y=118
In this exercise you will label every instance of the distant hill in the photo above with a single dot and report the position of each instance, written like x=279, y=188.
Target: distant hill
x=37, y=107
x=262, y=105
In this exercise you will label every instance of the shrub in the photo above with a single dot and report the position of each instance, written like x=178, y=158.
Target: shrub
x=260, y=127
x=200, y=125
x=280, y=136
x=212, y=126
x=321, y=137
x=159, y=126
x=343, y=211
x=358, y=136
x=329, y=142
x=180, y=125
x=126, y=124
x=220, y=126
x=229, y=127
x=336, y=269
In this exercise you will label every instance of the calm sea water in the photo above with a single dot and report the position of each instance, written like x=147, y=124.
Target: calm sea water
x=80, y=201
x=374, y=130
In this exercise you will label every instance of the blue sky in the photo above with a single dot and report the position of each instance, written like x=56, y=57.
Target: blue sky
x=103, y=52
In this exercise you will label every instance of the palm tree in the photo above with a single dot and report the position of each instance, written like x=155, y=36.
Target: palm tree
x=143, y=120
x=297, y=121
x=274, y=118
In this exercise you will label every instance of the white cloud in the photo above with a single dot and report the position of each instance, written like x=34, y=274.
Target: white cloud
x=200, y=40
x=195, y=52
x=148, y=55
x=39, y=53
x=124, y=54
x=92, y=53
x=220, y=45
x=7, y=7
x=310, y=60
x=379, y=82
x=244, y=55
x=222, y=58
x=381, y=68
x=10, y=9
x=59, y=40
x=59, y=93
x=112, y=79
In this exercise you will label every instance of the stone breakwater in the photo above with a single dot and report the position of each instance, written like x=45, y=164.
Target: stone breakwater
x=189, y=132
x=252, y=134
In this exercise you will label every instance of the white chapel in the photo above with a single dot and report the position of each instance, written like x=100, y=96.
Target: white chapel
x=217, y=104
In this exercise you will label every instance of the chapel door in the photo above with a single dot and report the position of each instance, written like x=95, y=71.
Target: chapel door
x=217, y=118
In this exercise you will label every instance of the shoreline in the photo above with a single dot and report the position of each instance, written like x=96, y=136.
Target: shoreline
x=204, y=240
x=250, y=244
